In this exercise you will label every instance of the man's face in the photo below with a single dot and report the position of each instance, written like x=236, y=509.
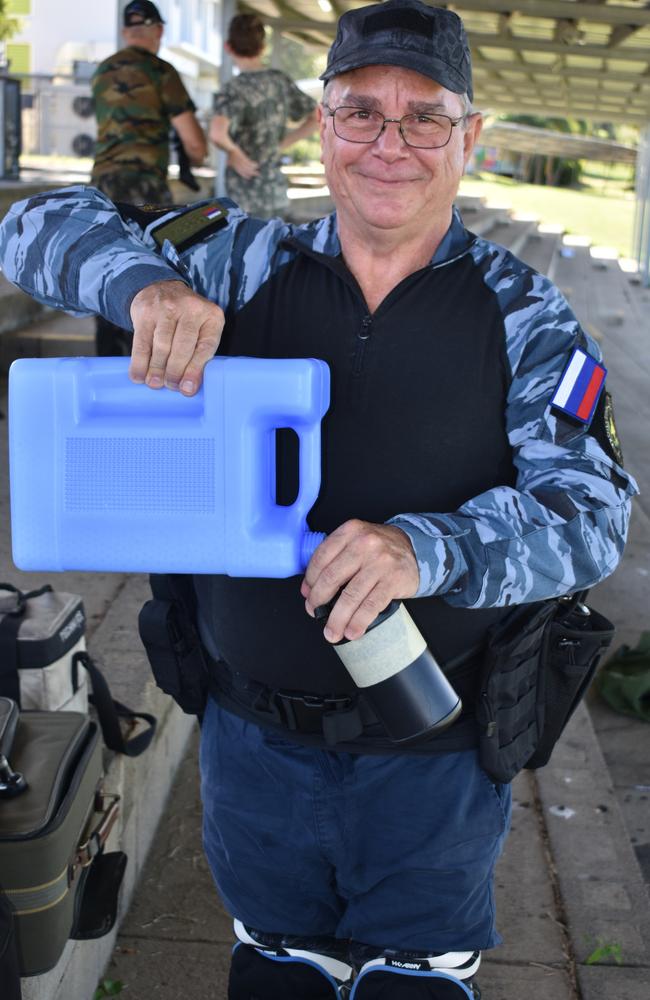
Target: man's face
x=387, y=184
x=144, y=36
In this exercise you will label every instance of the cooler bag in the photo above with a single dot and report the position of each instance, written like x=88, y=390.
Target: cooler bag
x=44, y=664
x=41, y=632
x=54, y=821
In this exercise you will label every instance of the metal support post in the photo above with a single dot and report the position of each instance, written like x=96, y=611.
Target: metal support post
x=228, y=9
x=642, y=214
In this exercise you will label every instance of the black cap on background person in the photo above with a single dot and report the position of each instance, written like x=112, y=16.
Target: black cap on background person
x=141, y=12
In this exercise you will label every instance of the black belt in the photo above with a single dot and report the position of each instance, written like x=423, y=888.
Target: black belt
x=338, y=718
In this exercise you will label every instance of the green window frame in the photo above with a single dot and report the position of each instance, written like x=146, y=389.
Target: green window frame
x=19, y=57
x=21, y=8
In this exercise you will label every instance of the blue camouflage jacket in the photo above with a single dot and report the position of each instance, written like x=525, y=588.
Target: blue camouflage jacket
x=560, y=527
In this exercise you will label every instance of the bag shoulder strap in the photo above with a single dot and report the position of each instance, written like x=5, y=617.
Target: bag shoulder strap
x=9, y=683
x=110, y=711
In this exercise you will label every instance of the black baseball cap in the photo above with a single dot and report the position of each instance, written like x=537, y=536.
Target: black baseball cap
x=141, y=12
x=407, y=33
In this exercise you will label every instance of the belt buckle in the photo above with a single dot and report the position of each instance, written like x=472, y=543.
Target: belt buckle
x=292, y=705
x=325, y=704
x=337, y=704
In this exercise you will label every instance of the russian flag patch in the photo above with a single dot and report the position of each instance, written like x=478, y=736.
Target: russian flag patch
x=579, y=388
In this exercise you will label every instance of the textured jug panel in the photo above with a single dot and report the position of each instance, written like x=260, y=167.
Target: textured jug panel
x=135, y=474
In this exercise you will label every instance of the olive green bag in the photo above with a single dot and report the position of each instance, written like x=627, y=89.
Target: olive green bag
x=54, y=821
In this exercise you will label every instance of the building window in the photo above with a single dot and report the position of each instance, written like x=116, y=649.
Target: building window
x=19, y=57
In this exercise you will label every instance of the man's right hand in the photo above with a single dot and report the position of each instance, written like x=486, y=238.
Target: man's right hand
x=243, y=164
x=175, y=333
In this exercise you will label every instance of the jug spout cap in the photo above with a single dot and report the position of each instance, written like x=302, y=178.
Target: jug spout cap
x=310, y=542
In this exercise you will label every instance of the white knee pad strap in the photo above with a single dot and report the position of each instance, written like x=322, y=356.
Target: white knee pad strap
x=332, y=967
x=462, y=965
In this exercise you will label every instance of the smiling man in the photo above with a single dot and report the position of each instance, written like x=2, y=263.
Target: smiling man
x=461, y=474
x=406, y=141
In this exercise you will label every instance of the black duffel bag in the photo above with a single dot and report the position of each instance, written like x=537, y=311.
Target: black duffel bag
x=9, y=969
x=539, y=663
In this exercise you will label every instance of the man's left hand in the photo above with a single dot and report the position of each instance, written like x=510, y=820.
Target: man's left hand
x=175, y=333
x=367, y=565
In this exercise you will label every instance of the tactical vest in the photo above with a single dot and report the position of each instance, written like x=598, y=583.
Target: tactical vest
x=416, y=423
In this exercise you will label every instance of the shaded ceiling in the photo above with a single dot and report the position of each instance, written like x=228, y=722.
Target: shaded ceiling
x=554, y=58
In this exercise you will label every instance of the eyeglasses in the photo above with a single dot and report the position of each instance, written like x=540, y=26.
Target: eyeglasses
x=419, y=131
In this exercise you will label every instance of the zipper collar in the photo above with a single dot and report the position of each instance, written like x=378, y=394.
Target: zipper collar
x=321, y=239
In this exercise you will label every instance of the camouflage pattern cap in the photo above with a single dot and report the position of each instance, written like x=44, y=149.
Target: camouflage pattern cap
x=408, y=33
x=141, y=12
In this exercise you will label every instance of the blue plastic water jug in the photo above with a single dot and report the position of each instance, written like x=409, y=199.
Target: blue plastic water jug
x=109, y=475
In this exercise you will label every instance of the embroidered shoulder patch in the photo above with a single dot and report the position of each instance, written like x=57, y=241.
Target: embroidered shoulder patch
x=191, y=227
x=580, y=386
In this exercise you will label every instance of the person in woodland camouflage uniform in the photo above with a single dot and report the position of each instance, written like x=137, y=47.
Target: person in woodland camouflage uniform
x=250, y=122
x=461, y=474
x=138, y=97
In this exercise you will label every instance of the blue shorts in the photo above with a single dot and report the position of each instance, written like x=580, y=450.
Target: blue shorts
x=391, y=851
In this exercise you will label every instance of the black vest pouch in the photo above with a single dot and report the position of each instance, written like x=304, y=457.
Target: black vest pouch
x=576, y=638
x=169, y=634
x=538, y=665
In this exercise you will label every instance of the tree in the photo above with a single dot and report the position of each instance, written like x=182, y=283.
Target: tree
x=9, y=25
x=297, y=61
x=554, y=171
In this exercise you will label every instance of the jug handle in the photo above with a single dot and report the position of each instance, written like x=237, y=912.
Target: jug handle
x=309, y=466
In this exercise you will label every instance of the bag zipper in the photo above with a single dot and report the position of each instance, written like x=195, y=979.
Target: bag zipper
x=491, y=726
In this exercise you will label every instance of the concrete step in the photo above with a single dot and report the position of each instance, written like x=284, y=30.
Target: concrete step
x=49, y=334
x=489, y=221
x=468, y=204
x=513, y=233
x=540, y=248
x=17, y=309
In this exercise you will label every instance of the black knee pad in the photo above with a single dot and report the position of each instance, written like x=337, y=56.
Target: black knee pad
x=258, y=975
x=393, y=983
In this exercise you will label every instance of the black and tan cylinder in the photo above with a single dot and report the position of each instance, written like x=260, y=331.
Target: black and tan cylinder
x=399, y=677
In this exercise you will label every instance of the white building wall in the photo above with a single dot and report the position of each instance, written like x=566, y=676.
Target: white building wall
x=62, y=31
x=54, y=25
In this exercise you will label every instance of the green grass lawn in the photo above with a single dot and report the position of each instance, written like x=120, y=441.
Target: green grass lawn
x=604, y=214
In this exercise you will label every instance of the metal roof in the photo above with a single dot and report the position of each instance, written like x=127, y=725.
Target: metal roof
x=553, y=58
x=527, y=139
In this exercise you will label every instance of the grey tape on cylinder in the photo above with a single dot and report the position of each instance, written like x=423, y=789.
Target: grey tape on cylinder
x=384, y=651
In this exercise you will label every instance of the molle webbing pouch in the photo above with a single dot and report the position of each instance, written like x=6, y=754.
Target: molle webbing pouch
x=53, y=827
x=576, y=639
x=167, y=626
x=538, y=665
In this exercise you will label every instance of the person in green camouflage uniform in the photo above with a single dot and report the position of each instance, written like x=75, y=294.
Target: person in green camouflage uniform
x=250, y=120
x=138, y=98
